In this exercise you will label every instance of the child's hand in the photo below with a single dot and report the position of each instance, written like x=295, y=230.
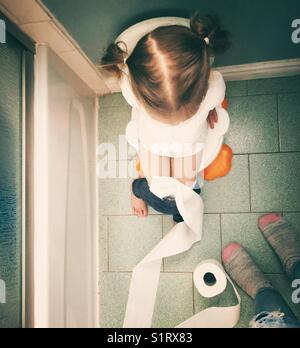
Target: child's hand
x=212, y=118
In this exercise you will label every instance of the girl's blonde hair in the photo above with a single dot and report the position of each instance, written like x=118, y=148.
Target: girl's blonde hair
x=169, y=67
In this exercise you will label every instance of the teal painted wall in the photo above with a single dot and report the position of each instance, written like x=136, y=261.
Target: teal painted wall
x=261, y=28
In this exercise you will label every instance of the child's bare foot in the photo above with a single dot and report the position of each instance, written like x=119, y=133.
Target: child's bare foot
x=139, y=207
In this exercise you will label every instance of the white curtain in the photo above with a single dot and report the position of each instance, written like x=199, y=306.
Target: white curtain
x=65, y=143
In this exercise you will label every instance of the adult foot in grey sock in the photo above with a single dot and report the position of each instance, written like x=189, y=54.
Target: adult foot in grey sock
x=283, y=238
x=242, y=269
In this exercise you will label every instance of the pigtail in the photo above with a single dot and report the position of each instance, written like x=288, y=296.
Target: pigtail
x=113, y=58
x=209, y=28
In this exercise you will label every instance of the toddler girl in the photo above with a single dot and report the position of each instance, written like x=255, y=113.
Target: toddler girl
x=176, y=98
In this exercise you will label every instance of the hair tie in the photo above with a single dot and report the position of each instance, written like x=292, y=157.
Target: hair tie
x=206, y=39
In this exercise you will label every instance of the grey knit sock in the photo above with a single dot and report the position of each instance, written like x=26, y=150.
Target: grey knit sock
x=283, y=238
x=245, y=272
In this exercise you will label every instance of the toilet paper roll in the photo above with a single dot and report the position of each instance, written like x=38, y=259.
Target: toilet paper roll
x=209, y=278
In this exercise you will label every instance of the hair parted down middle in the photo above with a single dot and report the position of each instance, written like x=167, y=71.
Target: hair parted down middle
x=169, y=68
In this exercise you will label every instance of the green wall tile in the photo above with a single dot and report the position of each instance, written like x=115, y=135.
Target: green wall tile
x=114, y=197
x=253, y=124
x=289, y=121
x=103, y=243
x=274, y=85
x=112, y=100
x=275, y=182
x=131, y=239
x=111, y=129
x=294, y=219
x=236, y=88
x=174, y=302
x=230, y=193
x=112, y=124
x=114, y=288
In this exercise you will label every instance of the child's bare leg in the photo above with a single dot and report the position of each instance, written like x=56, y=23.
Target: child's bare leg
x=151, y=165
x=154, y=165
x=185, y=169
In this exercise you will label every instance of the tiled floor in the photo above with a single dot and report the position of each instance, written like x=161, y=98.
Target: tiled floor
x=264, y=135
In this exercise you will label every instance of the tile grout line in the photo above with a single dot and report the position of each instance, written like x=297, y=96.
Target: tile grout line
x=193, y=296
x=177, y=272
x=234, y=153
x=167, y=272
x=129, y=215
x=265, y=153
x=121, y=106
x=126, y=106
x=162, y=236
x=278, y=125
x=221, y=233
x=123, y=102
x=107, y=244
x=249, y=180
x=217, y=213
x=262, y=94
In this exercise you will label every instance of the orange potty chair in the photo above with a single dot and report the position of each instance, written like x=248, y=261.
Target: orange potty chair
x=221, y=166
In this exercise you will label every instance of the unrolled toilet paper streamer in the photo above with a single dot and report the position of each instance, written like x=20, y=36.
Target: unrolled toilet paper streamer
x=145, y=276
